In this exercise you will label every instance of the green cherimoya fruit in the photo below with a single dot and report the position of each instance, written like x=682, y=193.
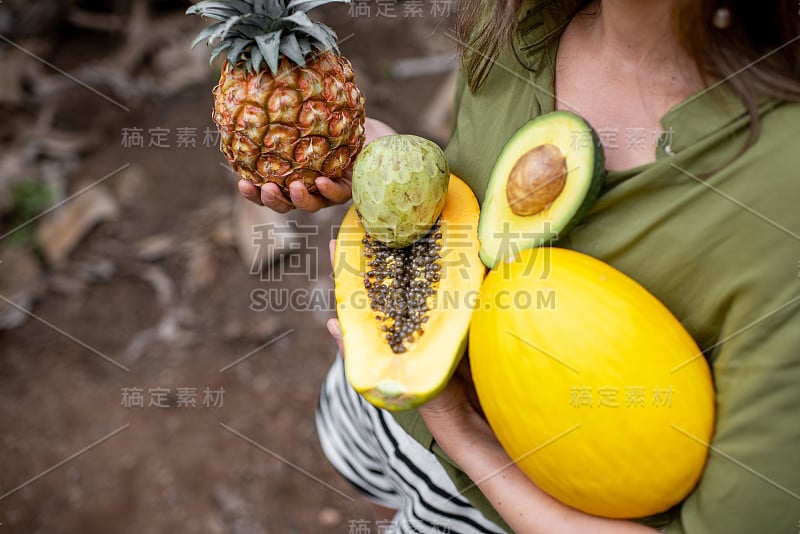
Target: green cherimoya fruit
x=545, y=180
x=399, y=188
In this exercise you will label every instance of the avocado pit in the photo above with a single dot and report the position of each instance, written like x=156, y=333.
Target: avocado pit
x=536, y=180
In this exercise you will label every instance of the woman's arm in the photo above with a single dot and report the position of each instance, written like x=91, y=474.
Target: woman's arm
x=463, y=433
x=468, y=439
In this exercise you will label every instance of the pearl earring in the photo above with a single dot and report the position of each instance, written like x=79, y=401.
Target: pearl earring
x=722, y=18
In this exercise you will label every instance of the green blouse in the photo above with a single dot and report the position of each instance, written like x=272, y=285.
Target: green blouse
x=723, y=254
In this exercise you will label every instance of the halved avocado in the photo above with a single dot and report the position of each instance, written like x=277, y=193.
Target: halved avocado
x=404, y=380
x=546, y=178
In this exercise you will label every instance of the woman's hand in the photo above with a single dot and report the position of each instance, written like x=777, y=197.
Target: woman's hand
x=457, y=424
x=271, y=196
x=459, y=428
x=330, y=192
x=455, y=414
x=333, y=324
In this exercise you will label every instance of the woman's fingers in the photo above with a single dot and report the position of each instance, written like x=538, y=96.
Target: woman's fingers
x=374, y=128
x=304, y=200
x=273, y=198
x=337, y=192
x=330, y=191
x=333, y=324
x=250, y=191
x=336, y=333
x=268, y=195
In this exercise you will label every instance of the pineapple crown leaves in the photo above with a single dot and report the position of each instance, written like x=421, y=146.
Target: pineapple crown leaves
x=258, y=31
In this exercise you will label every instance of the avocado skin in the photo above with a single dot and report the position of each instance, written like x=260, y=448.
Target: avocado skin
x=596, y=187
x=496, y=190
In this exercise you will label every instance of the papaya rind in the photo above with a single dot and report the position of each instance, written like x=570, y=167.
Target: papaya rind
x=420, y=373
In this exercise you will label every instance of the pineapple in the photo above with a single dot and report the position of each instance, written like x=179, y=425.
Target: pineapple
x=286, y=106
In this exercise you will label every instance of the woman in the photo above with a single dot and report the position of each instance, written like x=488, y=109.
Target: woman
x=697, y=105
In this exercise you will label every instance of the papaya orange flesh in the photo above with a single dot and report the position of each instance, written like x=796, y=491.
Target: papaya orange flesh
x=404, y=380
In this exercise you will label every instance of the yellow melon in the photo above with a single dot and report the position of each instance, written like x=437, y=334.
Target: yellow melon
x=591, y=385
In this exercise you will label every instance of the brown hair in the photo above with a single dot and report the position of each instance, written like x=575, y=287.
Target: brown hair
x=758, y=54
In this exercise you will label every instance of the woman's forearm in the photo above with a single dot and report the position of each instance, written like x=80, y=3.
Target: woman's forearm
x=526, y=508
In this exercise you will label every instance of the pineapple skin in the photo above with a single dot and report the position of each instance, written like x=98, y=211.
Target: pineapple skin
x=298, y=124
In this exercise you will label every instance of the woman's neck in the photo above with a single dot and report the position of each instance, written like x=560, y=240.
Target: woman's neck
x=620, y=67
x=638, y=33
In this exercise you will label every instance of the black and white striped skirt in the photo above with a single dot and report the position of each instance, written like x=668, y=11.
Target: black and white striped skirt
x=378, y=457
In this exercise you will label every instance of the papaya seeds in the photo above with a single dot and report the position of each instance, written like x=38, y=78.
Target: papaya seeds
x=398, y=284
x=405, y=312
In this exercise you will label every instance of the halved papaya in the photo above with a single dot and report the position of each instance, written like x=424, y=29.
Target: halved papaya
x=403, y=372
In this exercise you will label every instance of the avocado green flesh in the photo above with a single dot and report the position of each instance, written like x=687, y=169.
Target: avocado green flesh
x=504, y=234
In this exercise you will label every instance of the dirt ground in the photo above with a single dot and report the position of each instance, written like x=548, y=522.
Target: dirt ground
x=159, y=299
